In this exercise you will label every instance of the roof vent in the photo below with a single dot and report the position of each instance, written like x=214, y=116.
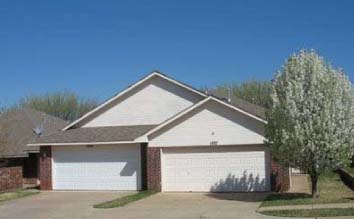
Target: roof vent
x=38, y=131
x=226, y=100
x=229, y=94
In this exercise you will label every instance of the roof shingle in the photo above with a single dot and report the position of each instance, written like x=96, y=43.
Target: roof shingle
x=17, y=127
x=96, y=134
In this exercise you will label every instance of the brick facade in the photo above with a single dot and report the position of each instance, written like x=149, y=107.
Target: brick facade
x=10, y=178
x=153, y=163
x=151, y=170
x=45, y=168
x=280, y=178
x=32, y=181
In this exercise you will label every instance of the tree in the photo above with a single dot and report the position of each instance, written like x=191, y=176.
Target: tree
x=253, y=91
x=310, y=122
x=64, y=105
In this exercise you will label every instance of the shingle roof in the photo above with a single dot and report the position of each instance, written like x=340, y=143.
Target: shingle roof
x=17, y=128
x=251, y=108
x=96, y=134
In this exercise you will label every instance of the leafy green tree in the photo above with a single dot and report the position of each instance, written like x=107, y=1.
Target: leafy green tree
x=253, y=91
x=311, y=119
x=64, y=105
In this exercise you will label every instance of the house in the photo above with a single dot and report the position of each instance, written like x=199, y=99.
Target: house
x=161, y=134
x=18, y=127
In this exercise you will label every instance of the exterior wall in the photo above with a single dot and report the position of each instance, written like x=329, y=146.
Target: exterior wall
x=14, y=162
x=280, y=177
x=45, y=168
x=211, y=124
x=152, y=103
x=154, y=168
x=33, y=181
x=10, y=178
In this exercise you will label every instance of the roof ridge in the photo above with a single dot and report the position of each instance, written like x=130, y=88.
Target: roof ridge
x=127, y=89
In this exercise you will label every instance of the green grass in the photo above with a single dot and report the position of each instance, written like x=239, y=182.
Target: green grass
x=350, y=170
x=328, y=212
x=119, y=202
x=331, y=189
x=19, y=193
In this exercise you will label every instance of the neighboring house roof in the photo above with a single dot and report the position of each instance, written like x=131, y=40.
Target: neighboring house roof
x=94, y=135
x=109, y=103
x=18, y=126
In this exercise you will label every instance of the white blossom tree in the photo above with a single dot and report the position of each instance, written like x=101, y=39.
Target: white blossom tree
x=310, y=123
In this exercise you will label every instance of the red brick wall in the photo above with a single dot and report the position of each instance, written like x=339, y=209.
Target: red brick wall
x=33, y=181
x=10, y=178
x=280, y=178
x=45, y=168
x=153, y=162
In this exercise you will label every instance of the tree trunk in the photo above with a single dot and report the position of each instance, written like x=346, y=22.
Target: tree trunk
x=314, y=179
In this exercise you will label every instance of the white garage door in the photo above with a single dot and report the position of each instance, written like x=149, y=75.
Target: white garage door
x=97, y=168
x=216, y=169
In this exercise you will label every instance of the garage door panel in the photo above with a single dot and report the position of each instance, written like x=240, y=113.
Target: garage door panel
x=97, y=168
x=218, y=169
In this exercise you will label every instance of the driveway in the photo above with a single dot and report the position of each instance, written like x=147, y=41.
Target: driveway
x=55, y=205
x=159, y=206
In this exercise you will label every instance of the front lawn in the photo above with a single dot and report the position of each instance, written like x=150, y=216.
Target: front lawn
x=328, y=212
x=350, y=170
x=330, y=186
x=119, y=202
x=19, y=193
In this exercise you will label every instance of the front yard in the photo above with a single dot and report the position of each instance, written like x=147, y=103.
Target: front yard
x=19, y=193
x=330, y=186
x=332, y=191
x=331, y=212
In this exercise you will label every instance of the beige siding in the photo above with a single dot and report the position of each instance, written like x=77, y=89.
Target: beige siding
x=211, y=124
x=152, y=103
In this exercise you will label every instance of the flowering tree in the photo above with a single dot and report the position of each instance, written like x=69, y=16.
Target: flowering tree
x=311, y=120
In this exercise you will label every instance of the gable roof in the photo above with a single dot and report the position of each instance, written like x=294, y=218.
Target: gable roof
x=73, y=135
x=107, y=104
x=94, y=135
x=201, y=103
x=18, y=127
x=242, y=104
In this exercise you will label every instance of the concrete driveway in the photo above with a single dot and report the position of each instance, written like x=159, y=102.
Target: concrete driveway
x=160, y=206
x=55, y=205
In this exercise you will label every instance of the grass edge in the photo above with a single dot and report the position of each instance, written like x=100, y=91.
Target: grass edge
x=124, y=200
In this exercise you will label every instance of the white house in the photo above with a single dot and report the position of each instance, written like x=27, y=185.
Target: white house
x=163, y=135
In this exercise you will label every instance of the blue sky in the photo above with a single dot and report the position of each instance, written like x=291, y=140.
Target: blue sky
x=97, y=48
